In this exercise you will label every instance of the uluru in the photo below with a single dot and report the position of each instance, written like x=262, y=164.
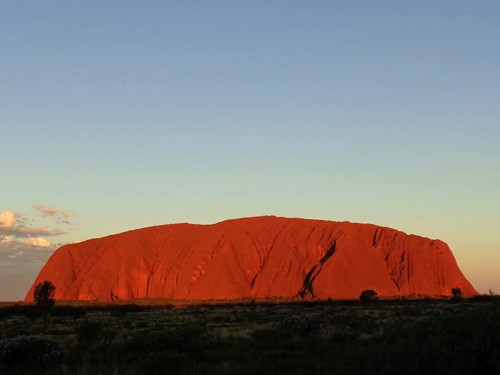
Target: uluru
x=256, y=257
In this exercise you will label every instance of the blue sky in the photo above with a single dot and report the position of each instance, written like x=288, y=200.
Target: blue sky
x=129, y=114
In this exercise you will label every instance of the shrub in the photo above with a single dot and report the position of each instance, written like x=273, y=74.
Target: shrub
x=23, y=351
x=302, y=326
x=456, y=295
x=163, y=351
x=88, y=332
x=368, y=296
x=481, y=298
x=94, y=334
x=68, y=311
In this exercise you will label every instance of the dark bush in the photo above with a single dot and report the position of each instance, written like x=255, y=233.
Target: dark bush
x=24, y=351
x=88, y=332
x=271, y=335
x=128, y=308
x=368, y=296
x=481, y=298
x=302, y=325
x=91, y=333
x=186, y=340
x=456, y=295
x=67, y=311
x=20, y=309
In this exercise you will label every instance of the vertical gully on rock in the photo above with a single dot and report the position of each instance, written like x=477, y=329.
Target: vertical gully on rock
x=266, y=256
x=307, y=286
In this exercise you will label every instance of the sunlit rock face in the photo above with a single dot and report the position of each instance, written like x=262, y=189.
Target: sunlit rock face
x=254, y=257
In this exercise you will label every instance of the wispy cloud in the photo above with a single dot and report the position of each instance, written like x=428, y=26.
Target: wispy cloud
x=61, y=216
x=24, y=231
x=6, y=240
x=14, y=256
x=23, y=242
x=12, y=224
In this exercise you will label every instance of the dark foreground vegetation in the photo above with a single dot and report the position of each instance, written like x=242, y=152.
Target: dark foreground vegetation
x=324, y=337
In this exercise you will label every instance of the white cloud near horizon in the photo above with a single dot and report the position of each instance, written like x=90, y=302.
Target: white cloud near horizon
x=16, y=254
x=26, y=241
x=11, y=225
x=37, y=242
x=7, y=220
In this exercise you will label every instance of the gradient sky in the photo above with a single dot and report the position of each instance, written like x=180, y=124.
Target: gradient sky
x=126, y=114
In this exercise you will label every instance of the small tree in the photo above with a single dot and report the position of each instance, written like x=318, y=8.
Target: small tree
x=368, y=295
x=456, y=292
x=43, y=298
x=43, y=294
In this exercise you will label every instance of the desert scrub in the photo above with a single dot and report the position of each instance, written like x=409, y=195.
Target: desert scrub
x=31, y=351
x=93, y=332
x=302, y=325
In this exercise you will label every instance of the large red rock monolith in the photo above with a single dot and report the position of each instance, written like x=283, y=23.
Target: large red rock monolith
x=253, y=257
